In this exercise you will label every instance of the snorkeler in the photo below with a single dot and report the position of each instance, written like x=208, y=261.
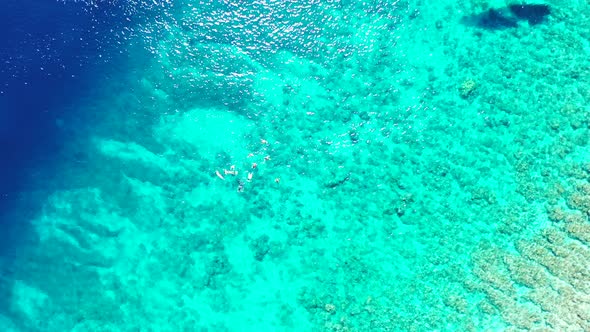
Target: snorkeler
x=232, y=171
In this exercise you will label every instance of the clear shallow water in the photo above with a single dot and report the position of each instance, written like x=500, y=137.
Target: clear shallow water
x=417, y=169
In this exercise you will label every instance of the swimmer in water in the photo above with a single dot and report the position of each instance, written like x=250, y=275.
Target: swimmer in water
x=232, y=171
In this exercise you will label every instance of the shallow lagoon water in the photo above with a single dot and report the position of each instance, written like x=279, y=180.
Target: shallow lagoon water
x=400, y=169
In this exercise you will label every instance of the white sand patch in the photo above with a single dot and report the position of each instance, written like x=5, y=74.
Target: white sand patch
x=28, y=300
x=211, y=131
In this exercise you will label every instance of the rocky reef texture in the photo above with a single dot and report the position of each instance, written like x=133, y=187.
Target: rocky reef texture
x=412, y=174
x=543, y=284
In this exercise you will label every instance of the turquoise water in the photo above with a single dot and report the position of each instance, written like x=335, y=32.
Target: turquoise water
x=316, y=166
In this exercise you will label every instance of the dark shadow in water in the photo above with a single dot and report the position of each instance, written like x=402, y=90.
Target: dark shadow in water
x=534, y=14
x=507, y=17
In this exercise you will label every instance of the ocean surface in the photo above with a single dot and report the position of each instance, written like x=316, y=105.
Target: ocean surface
x=313, y=165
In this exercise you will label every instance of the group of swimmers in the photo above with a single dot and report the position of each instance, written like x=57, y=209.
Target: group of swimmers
x=254, y=168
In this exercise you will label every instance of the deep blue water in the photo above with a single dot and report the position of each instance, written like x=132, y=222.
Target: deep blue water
x=50, y=53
